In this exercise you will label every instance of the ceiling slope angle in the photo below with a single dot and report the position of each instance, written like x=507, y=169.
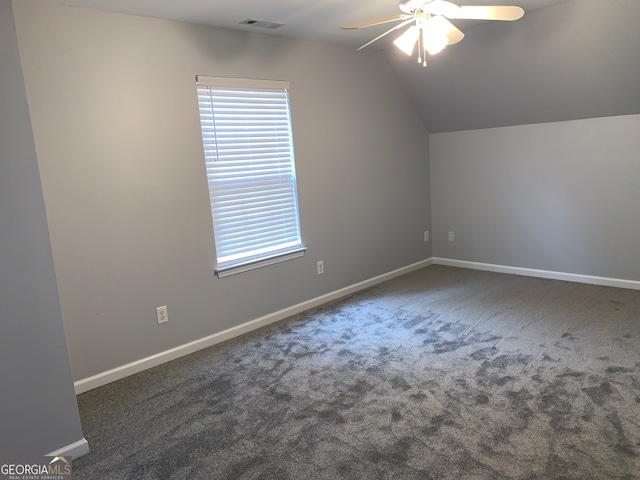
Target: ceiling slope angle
x=566, y=61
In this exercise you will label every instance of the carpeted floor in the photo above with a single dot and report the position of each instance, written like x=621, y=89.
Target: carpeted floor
x=445, y=373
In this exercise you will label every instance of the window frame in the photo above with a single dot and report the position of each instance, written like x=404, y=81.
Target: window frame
x=211, y=142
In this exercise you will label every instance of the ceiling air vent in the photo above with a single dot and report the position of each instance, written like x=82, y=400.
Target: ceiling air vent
x=262, y=23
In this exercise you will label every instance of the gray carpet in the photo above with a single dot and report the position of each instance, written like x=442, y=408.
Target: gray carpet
x=443, y=373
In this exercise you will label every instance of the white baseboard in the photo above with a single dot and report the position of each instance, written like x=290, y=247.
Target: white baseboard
x=75, y=450
x=531, y=272
x=118, y=373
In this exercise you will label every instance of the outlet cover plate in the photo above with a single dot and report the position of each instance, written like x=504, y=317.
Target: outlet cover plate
x=162, y=314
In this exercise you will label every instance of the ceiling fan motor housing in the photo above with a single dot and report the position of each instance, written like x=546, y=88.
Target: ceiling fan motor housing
x=410, y=6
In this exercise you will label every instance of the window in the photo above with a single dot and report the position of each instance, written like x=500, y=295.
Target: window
x=248, y=147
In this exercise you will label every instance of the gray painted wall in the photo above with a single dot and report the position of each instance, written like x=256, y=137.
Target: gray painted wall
x=38, y=410
x=558, y=196
x=115, y=120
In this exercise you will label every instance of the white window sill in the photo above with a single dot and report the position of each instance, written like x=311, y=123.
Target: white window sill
x=229, y=270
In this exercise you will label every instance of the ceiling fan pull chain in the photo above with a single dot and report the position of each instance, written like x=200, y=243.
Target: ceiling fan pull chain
x=422, y=48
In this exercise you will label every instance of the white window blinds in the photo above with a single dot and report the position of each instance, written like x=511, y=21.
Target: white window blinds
x=248, y=146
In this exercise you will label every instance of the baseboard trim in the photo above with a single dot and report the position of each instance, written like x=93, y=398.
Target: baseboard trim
x=138, y=366
x=75, y=450
x=531, y=272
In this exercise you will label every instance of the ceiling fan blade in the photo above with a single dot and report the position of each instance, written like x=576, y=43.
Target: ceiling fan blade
x=453, y=33
x=400, y=25
x=477, y=12
x=375, y=21
x=441, y=7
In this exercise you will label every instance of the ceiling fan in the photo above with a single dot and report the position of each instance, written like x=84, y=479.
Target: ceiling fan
x=429, y=26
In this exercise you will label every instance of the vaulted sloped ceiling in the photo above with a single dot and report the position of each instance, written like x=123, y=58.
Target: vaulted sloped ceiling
x=572, y=60
x=564, y=60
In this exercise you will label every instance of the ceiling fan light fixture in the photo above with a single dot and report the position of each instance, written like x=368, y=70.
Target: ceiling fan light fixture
x=434, y=43
x=407, y=41
x=434, y=36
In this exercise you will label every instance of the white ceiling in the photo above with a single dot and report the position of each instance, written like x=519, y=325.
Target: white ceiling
x=319, y=20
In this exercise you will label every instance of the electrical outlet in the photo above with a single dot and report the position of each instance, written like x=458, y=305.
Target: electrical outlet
x=452, y=237
x=320, y=267
x=161, y=313
x=426, y=235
